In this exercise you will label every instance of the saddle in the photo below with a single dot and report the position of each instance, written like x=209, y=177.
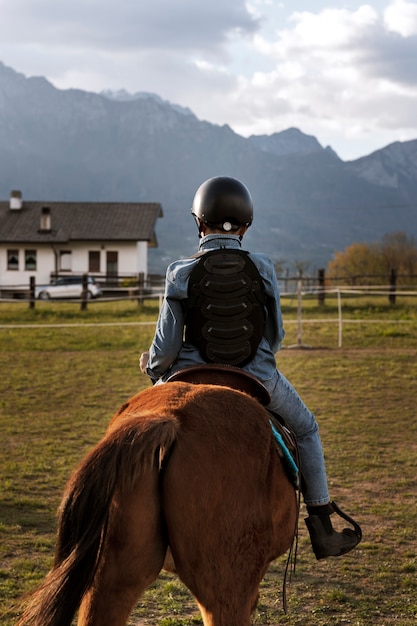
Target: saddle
x=236, y=378
x=225, y=376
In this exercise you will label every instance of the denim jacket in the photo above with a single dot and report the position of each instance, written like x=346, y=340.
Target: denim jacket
x=169, y=351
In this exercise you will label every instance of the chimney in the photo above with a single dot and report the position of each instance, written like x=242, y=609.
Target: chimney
x=15, y=200
x=45, y=220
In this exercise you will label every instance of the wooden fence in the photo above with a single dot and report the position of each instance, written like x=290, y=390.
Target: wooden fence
x=139, y=286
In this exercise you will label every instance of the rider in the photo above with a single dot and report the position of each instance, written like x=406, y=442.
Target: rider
x=223, y=211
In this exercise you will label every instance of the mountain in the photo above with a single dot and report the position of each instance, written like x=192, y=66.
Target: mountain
x=75, y=145
x=394, y=167
x=290, y=141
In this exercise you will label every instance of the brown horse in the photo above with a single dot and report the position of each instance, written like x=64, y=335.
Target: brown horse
x=193, y=468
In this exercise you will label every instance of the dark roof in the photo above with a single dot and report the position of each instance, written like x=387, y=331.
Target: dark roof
x=80, y=221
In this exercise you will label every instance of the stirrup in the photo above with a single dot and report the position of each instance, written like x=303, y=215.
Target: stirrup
x=356, y=528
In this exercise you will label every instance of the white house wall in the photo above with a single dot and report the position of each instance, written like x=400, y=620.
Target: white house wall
x=142, y=257
x=132, y=260
x=45, y=264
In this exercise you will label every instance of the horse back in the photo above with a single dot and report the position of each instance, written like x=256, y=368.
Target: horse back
x=227, y=502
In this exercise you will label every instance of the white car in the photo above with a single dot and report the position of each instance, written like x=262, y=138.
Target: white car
x=68, y=287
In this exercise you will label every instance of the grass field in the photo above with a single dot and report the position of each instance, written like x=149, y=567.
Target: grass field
x=59, y=386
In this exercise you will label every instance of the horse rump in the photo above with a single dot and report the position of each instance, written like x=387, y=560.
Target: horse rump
x=191, y=466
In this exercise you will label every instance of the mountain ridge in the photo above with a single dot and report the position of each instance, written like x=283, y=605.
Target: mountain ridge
x=78, y=145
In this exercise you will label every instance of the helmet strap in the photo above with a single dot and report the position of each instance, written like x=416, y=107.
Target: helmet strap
x=199, y=225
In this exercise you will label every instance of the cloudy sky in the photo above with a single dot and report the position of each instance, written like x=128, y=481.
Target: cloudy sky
x=345, y=72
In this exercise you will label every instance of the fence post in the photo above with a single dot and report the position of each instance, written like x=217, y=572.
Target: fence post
x=339, y=312
x=141, y=285
x=392, y=286
x=286, y=279
x=32, y=292
x=299, y=343
x=321, y=291
x=300, y=313
x=84, y=293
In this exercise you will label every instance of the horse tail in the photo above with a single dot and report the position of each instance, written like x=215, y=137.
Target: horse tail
x=130, y=447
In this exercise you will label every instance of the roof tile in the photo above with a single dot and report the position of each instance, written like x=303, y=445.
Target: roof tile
x=80, y=221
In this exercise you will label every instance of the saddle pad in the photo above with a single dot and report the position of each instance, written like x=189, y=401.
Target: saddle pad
x=286, y=456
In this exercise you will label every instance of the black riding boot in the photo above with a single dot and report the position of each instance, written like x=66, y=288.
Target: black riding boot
x=324, y=539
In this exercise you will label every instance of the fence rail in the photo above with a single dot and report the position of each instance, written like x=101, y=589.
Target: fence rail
x=319, y=284
x=301, y=294
x=371, y=290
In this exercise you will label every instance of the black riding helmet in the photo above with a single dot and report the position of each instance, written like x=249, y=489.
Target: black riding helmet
x=224, y=203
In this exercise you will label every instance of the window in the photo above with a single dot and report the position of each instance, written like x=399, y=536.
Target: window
x=65, y=261
x=94, y=261
x=30, y=260
x=13, y=260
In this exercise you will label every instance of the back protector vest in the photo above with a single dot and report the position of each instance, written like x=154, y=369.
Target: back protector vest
x=225, y=309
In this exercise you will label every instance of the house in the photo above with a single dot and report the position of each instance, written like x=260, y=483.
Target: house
x=43, y=239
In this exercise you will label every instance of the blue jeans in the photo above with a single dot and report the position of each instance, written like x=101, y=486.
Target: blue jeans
x=287, y=403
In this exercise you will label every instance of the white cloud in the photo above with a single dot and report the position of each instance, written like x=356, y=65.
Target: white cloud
x=401, y=17
x=334, y=71
x=332, y=28
x=126, y=24
x=345, y=75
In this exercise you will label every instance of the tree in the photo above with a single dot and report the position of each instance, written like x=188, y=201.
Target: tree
x=365, y=263
x=301, y=267
x=399, y=252
x=356, y=264
x=279, y=265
